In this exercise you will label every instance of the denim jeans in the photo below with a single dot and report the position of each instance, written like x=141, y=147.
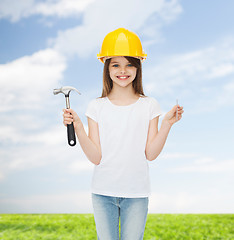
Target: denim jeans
x=132, y=213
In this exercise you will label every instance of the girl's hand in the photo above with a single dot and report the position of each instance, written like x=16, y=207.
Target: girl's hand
x=170, y=117
x=70, y=116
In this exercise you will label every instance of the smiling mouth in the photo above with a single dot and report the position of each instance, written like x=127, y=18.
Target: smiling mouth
x=123, y=77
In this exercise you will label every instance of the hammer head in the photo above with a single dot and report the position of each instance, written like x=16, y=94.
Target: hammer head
x=65, y=90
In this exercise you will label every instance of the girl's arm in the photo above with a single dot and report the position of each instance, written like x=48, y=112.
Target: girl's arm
x=156, y=139
x=89, y=144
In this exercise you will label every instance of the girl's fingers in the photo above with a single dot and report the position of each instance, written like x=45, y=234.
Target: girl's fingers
x=68, y=110
x=67, y=122
x=67, y=116
x=180, y=110
x=180, y=114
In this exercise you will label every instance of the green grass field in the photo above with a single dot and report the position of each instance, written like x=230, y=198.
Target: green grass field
x=82, y=226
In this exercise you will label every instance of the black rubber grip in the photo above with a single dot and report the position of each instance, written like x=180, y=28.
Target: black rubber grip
x=71, y=135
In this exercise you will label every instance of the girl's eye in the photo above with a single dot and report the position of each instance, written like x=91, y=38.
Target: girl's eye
x=117, y=65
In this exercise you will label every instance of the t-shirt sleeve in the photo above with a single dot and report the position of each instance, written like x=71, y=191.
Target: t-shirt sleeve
x=155, y=109
x=91, y=110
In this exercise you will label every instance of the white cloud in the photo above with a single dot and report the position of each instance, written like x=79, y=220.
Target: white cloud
x=184, y=202
x=20, y=9
x=221, y=70
x=61, y=8
x=80, y=166
x=193, y=162
x=68, y=202
x=27, y=82
x=170, y=203
x=81, y=202
x=204, y=77
x=170, y=11
x=27, y=8
x=182, y=69
x=27, y=98
x=1, y=177
x=176, y=155
x=226, y=96
x=206, y=165
x=35, y=149
x=99, y=19
x=204, y=160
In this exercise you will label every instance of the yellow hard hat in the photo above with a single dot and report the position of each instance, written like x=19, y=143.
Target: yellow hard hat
x=121, y=42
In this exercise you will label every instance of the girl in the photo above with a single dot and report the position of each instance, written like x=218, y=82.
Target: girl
x=123, y=136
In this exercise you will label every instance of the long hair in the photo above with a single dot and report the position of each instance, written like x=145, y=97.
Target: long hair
x=137, y=82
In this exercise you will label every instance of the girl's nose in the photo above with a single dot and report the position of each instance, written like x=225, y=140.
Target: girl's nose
x=123, y=70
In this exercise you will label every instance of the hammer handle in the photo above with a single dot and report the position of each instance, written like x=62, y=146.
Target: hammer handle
x=71, y=135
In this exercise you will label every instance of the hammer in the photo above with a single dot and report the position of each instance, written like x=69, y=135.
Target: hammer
x=70, y=127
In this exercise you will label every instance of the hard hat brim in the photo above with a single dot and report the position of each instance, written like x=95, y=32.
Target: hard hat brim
x=104, y=58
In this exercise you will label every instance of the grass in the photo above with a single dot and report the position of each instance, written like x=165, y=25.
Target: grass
x=190, y=226
x=82, y=226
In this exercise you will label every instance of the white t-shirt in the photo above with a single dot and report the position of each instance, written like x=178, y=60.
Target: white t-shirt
x=123, y=170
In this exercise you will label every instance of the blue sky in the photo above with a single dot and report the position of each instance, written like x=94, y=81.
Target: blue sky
x=49, y=44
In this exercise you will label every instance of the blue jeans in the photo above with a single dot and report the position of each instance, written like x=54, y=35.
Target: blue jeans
x=131, y=211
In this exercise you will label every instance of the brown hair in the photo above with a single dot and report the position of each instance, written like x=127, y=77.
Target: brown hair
x=137, y=82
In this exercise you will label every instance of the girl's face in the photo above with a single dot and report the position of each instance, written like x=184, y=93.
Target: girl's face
x=122, y=72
